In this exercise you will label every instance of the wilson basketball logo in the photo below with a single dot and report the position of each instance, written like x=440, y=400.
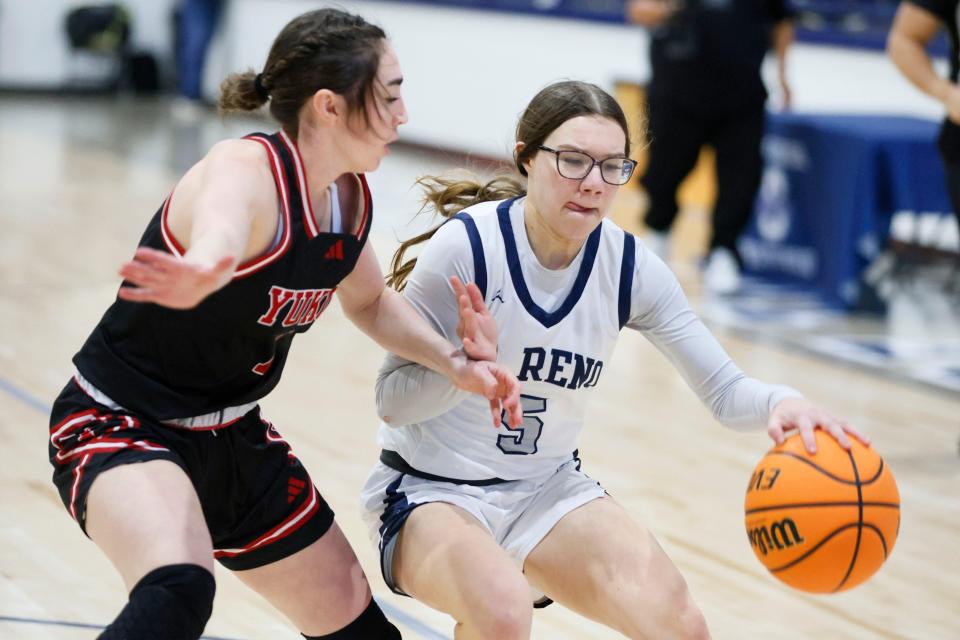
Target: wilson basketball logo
x=778, y=535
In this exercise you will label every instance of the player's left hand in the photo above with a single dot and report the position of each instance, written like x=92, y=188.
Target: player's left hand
x=494, y=382
x=476, y=328
x=805, y=417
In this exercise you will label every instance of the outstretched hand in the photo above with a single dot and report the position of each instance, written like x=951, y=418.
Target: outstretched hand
x=497, y=384
x=170, y=281
x=476, y=328
x=796, y=413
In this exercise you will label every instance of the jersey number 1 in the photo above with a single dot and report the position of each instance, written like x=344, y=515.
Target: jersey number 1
x=522, y=440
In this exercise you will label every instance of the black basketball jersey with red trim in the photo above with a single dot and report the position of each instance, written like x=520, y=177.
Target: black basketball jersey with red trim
x=229, y=350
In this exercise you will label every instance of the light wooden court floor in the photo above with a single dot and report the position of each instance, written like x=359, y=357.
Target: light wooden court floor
x=78, y=181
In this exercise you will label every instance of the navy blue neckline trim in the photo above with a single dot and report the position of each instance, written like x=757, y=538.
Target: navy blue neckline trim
x=516, y=273
x=479, y=261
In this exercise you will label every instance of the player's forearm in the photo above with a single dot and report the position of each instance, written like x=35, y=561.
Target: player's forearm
x=208, y=245
x=398, y=328
x=912, y=60
x=745, y=404
x=409, y=393
x=783, y=35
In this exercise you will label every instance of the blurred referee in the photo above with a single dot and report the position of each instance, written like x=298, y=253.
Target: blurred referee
x=707, y=89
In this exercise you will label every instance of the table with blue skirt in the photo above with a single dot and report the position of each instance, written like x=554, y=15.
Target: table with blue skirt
x=831, y=186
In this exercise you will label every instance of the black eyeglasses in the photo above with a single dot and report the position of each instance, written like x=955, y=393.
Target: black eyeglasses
x=577, y=165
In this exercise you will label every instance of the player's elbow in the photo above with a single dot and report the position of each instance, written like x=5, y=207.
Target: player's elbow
x=897, y=46
x=386, y=407
x=892, y=45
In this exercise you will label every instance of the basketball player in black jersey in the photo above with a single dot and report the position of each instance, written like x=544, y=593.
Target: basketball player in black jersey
x=159, y=449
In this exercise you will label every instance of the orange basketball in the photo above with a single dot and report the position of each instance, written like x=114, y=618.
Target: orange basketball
x=822, y=523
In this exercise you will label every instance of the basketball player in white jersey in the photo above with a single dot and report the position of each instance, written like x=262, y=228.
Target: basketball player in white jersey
x=465, y=515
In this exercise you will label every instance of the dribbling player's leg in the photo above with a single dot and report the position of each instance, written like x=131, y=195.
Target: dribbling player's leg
x=446, y=559
x=323, y=591
x=147, y=519
x=623, y=580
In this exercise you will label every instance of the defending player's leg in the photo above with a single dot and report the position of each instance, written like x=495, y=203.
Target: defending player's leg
x=445, y=558
x=147, y=519
x=627, y=582
x=323, y=591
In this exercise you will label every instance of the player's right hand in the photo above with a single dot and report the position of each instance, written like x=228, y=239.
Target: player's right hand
x=170, y=281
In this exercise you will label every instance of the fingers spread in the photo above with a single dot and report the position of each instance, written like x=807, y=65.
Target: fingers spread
x=136, y=294
x=157, y=259
x=806, y=427
x=476, y=298
x=775, y=430
x=840, y=436
x=459, y=289
x=855, y=433
x=140, y=273
x=496, y=411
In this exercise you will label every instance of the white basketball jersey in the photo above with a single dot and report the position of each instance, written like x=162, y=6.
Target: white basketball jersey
x=556, y=329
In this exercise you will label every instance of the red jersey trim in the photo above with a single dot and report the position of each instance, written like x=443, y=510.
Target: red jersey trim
x=280, y=178
x=309, y=220
x=257, y=263
x=173, y=246
x=293, y=522
x=367, y=206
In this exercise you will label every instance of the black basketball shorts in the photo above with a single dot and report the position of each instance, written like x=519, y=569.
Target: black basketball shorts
x=258, y=501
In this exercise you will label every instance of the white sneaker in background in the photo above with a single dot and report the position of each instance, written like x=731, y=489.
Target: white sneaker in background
x=659, y=243
x=184, y=111
x=721, y=273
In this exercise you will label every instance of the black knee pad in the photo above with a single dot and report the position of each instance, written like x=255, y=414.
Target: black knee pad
x=173, y=602
x=369, y=625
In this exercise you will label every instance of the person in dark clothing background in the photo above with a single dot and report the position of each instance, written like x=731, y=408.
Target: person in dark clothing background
x=195, y=23
x=706, y=88
x=914, y=27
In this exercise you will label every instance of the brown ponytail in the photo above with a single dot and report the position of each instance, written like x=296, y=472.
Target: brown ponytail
x=238, y=92
x=447, y=196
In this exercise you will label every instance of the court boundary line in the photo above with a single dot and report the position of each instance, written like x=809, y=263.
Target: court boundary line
x=77, y=625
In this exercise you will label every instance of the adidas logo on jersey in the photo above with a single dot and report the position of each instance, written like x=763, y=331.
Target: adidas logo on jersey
x=335, y=252
x=294, y=488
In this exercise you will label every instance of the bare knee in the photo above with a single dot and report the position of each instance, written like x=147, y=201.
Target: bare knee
x=690, y=622
x=504, y=612
x=685, y=618
x=667, y=612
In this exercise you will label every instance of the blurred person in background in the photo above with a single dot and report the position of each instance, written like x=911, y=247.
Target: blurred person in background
x=706, y=88
x=195, y=23
x=916, y=23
